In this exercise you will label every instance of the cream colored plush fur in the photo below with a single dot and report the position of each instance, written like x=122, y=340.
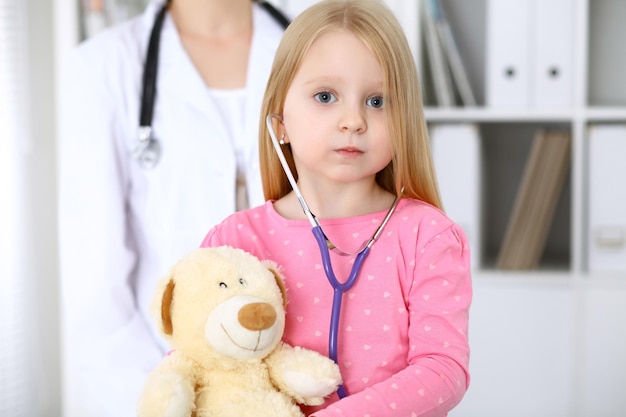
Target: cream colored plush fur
x=223, y=312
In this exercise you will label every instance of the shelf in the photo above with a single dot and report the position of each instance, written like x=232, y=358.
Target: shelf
x=598, y=96
x=486, y=115
x=605, y=114
x=483, y=114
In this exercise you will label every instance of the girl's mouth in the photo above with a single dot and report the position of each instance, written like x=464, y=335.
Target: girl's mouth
x=350, y=151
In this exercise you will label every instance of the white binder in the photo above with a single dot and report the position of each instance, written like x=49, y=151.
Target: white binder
x=607, y=199
x=508, y=53
x=553, y=46
x=457, y=154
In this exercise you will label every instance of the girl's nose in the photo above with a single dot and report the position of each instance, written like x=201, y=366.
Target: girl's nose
x=352, y=119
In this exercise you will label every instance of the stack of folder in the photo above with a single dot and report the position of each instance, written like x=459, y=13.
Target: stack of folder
x=535, y=202
x=447, y=71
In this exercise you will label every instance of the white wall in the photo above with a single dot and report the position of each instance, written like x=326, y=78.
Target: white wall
x=29, y=384
x=41, y=195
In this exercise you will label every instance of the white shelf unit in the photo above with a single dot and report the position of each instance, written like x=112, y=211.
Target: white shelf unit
x=546, y=342
x=599, y=97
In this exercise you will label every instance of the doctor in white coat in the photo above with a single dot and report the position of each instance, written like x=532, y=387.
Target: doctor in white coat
x=122, y=225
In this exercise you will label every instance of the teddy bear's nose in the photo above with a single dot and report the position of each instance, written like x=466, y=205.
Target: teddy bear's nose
x=257, y=316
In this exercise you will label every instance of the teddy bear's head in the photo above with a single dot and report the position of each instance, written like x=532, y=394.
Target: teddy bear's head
x=221, y=303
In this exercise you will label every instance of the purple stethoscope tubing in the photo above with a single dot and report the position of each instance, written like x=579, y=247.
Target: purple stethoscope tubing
x=325, y=245
x=339, y=289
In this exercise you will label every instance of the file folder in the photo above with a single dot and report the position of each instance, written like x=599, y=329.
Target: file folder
x=553, y=46
x=508, y=53
x=452, y=54
x=439, y=71
x=457, y=155
x=535, y=202
x=607, y=198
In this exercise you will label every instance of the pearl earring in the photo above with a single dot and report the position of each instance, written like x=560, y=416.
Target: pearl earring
x=282, y=139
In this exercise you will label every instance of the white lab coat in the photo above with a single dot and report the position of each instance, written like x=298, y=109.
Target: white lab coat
x=121, y=226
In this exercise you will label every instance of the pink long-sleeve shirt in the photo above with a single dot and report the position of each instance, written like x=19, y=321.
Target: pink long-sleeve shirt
x=403, y=345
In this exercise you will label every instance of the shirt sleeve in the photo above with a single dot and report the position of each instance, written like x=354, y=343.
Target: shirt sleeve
x=210, y=240
x=108, y=348
x=437, y=374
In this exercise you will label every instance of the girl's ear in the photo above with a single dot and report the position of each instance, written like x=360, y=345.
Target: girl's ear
x=282, y=133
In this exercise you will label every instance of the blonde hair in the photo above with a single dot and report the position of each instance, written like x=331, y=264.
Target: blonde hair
x=410, y=172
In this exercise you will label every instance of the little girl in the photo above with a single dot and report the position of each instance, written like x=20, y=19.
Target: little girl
x=344, y=89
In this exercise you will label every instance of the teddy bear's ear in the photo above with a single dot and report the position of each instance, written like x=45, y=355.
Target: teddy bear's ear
x=161, y=306
x=166, y=305
x=273, y=268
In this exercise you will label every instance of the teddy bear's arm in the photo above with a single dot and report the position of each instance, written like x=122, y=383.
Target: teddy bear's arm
x=303, y=374
x=169, y=389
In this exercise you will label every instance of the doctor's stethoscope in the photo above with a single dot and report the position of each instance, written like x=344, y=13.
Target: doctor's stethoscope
x=325, y=246
x=146, y=149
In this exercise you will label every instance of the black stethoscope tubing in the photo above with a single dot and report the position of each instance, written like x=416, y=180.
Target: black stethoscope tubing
x=147, y=149
x=150, y=70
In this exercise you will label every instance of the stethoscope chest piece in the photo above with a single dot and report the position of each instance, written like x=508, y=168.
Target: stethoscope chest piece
x=147, y=149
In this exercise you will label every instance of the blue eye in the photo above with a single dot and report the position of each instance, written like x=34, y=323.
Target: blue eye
x=325, y=97
x=376, y=102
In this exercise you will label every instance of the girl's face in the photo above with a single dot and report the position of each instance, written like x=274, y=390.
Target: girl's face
x=334, y=113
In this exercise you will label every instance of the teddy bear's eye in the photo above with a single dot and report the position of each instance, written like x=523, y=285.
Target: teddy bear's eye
x=242, y=281
x=223, y=285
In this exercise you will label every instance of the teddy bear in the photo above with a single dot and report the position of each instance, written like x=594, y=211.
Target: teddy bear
x=223, y=312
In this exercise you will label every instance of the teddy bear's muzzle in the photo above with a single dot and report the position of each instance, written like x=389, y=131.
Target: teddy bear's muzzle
x=244, y=327
x=257, y=316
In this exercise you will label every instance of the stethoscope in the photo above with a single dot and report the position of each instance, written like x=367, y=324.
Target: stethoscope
x=146, y=149
x=325, y=246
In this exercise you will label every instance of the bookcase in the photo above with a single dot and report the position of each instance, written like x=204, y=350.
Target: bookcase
x=548, y=341
x=545, y=340
x=598, y=97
